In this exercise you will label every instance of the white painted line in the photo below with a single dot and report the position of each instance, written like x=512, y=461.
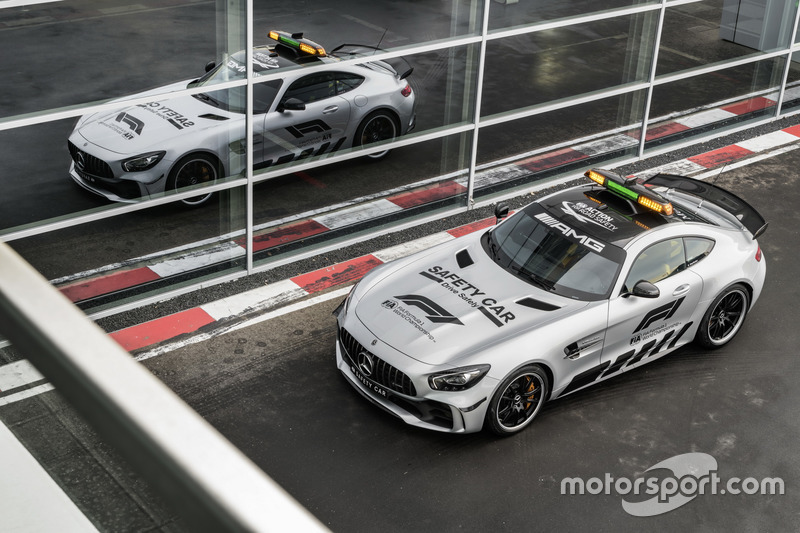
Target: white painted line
x=705, y=117
x=160, y=350
x=18, y=374
x=607, y=144
x=253, y=300
x=682, y=167
x=27, y=393
x=408, y=248
x=768, y=141
x=198, y=259
x=358, y=213
x=744, y=162
x=32, y=500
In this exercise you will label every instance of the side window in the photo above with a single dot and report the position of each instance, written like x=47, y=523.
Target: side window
x=346, y=81
x=659, y=261
x=697, y=248
x=264, y=94
x=312, y=88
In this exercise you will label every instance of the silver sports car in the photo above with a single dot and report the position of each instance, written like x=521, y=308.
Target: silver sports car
x=575, y=288
x=143, y=150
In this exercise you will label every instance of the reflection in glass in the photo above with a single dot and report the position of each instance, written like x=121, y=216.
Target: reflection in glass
x=703, y=33
x=714, y=101
x=504, y=14
x=554, y=64
x=526, y=150
x=318, y=205
x=128, y=256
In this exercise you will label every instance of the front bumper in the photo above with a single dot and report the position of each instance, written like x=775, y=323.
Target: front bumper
x=94, y=172
x=409, y=398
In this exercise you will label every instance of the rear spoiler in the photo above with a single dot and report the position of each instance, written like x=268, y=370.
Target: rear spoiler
x=726, y=200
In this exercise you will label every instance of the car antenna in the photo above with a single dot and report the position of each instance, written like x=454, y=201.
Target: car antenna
x=378, y=47
x=714, y=180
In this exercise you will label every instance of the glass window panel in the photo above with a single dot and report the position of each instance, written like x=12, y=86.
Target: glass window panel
x=109, y=159
x=504, y=14
x=519, y=152
x=132, y=255
x=71, y=52
x=325, y=203
x=714, y=101
x=317, y=113
x=708, y=32
x=384, y=24
x=791, y=96
x=550, y=65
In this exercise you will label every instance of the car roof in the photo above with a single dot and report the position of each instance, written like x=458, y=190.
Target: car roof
x=594, y=210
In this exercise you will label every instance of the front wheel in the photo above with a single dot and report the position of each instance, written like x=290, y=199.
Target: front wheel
x=376, y=127
x=724, y=317
x=517, y=400
x=194, y=169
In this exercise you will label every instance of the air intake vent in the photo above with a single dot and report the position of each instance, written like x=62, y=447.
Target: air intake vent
x=537, y=304
x=211, y=116
x=464, y=259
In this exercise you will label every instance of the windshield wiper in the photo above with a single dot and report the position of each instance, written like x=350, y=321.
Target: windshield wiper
x=207, y=99
x=540, y=282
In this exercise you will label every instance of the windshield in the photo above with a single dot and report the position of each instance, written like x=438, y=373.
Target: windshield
x=234, y=68
x=552, y=256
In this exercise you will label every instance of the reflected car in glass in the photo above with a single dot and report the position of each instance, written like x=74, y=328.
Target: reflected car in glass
x=165, y=145
x=578, y=287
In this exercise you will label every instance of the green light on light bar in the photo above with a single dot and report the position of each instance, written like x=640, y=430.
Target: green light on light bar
x=622, y=191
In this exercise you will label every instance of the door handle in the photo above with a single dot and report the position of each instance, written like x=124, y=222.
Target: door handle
x=683, y=289
x=330, y=109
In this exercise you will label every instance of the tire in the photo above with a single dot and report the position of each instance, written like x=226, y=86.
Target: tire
x=194, y=169
x=517, y=400
x=377, y=126
x=724, y=317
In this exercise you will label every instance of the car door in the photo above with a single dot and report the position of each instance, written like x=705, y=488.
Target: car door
x=639, y=328
x=317, y=126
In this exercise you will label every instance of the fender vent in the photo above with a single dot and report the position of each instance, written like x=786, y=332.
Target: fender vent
x=537, y=304
x=211, y=116
x=464, y=259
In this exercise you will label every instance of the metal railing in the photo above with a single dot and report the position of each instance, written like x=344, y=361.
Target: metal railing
x=202, y=476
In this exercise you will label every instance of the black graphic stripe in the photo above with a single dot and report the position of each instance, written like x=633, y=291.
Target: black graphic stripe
x=585, y=378
x=680, y=334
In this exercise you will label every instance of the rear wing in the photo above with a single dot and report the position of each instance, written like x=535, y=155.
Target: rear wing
x=725, y=200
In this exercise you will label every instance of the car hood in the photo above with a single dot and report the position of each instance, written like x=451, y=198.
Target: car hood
x=454, y=302
x=135, y=129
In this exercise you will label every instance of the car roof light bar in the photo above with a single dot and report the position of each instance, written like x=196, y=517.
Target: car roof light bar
x=631, y=190
x=296, y=41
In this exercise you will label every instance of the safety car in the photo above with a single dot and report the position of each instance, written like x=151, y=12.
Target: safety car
x=141, y=151
x=575, y=288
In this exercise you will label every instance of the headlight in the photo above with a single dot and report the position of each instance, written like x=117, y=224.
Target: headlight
x=142, y=162
x=458, y=379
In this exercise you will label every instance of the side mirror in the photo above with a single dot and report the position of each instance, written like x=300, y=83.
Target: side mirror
x=292, y=104
x=210, y=66
x=644, y=289
x=500, y=212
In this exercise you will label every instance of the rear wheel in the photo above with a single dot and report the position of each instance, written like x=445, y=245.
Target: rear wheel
x=517, y=400
x=724, y=317
x=194, y=169
x=376, y=127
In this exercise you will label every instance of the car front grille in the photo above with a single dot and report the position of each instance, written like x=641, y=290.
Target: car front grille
x=98, y=174
x=382, y=372
x=89, y=166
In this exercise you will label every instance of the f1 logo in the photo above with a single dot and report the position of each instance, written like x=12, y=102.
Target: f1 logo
x=312, y=126
x=660, y=313
x=133, y=123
